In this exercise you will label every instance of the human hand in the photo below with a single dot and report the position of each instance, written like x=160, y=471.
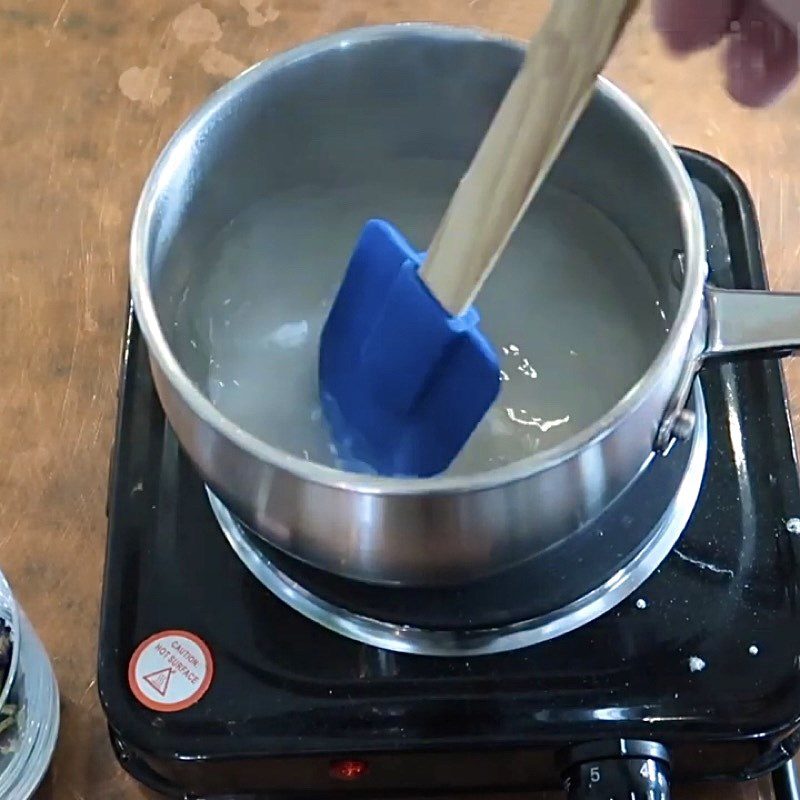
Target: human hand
x=761, y=41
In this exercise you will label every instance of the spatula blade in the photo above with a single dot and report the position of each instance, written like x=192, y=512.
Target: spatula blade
x=403, y=383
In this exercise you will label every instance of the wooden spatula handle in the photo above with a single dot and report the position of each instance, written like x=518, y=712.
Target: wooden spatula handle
x=533, y=123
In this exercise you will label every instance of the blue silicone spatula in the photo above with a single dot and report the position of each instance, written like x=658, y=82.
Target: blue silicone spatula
x=405, y=373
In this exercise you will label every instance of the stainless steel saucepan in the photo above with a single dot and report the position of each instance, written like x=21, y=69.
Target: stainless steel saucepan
x=348, y=104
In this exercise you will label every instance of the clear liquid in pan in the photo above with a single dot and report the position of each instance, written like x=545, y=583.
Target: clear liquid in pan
x=571, y=309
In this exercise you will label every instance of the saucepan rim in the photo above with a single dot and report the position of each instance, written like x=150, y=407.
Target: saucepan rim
x=173, y=160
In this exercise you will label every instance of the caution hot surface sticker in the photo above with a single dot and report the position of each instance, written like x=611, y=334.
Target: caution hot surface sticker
x=170, y=671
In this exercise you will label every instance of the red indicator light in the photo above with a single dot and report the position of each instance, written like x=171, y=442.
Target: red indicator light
x=348, y=770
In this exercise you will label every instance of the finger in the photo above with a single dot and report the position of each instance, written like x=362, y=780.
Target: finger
x=689, y=25
x=762, y=57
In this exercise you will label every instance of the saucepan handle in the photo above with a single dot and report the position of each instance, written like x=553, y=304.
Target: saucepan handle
x=751, y=323
x=739, y=324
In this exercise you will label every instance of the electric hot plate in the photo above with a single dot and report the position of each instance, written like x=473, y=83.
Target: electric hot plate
x=214, y=686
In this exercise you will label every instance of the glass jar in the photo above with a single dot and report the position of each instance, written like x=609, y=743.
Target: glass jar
x=29, y=706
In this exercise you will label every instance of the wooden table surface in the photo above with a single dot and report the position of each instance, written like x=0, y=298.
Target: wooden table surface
x=90, y=91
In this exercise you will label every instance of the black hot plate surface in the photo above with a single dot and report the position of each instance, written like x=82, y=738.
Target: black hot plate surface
x=705, y=657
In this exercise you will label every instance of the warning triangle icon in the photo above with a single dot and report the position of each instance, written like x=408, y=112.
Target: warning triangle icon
x=159, y=680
